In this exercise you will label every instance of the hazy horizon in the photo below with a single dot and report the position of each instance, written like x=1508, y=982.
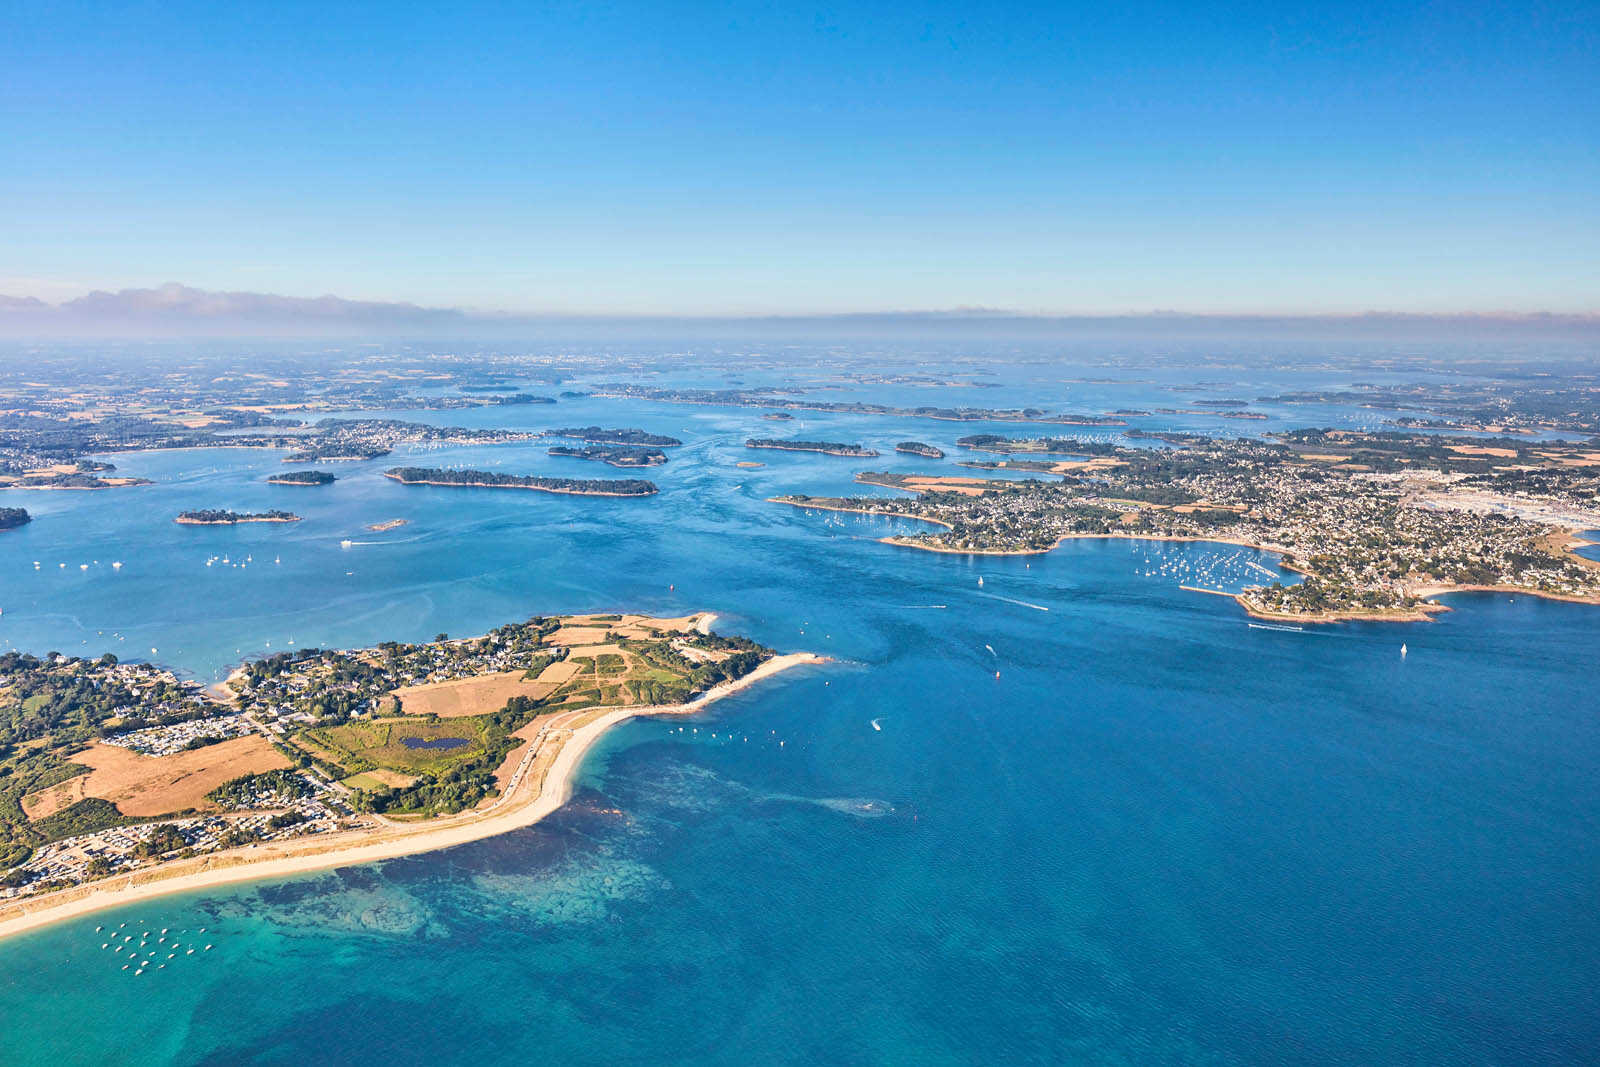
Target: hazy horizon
x=175, y=311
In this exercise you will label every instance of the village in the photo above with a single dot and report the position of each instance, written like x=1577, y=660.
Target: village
x=1374, y=524
x=115, y=767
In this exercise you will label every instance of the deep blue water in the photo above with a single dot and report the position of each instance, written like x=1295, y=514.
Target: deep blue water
x=1158, y=836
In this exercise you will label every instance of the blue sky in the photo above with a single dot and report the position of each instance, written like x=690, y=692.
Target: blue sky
x=741, y=158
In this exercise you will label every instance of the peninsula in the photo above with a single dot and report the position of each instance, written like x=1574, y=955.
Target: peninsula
x=1377, y=524
x=494, y=480
x=83, y=474
x=1039, y=446
x=137, y=784
x=827, y=448
x=215, y=517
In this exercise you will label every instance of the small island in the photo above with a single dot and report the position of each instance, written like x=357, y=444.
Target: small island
x=778, y=416
x=493, y=480
x=216, y=517
x=388, y=524
x=302, y=478
x=616, y=457
x=11, y=518
x=336, y=451
x=918, y=448
x=827, y=448
x=596, y=435
x=510, y=398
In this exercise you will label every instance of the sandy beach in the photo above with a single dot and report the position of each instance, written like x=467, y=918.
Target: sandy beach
x=525, y=804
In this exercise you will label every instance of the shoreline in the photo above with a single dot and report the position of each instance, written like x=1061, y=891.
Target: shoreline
x=863, y=454
x=535, y=488
x=896, y=413
x=861, y=511
x=1420, y=613
x=181, y=521
x=130, y=483
x=513, y=810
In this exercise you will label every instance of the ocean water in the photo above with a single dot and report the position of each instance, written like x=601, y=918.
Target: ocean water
x=1100, y=819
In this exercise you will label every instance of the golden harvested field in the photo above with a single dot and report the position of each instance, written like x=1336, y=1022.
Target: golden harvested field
x=1095, y=464
x=1474, y=450
x=54, y=798
x=643, y=626
x=159, y=785
x=578, y=635
x=557, y=673
x=964, y=486
x=481, y=695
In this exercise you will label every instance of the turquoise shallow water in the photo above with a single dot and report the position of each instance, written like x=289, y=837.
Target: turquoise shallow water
x=1158, y=836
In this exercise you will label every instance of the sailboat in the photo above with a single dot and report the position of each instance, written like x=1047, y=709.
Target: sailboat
x=1402, y=650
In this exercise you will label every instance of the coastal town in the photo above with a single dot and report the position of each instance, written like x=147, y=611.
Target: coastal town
x=1377, y=525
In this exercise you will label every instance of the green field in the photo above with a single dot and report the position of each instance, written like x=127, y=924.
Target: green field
x=361, y=746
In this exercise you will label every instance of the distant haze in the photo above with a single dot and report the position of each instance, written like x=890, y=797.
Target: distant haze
x=178, y=311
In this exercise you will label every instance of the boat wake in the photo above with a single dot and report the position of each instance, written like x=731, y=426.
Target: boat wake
x=1013, y=600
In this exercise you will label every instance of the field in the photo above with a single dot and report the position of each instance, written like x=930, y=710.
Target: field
x=147, y=786
x=54, y=798
x=478, y=696
x=379, y=779
x=607, y=661
x=380, y=744
x=579, y=635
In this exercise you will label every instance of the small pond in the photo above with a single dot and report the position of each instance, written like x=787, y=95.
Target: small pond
x=436, y=742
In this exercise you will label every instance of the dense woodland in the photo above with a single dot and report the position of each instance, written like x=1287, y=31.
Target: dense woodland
x=494, y=479
x=599, y=436
x=920, y=448
x=215, y=516
x=832, y=448
x=616, y=457
x=303, y=478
